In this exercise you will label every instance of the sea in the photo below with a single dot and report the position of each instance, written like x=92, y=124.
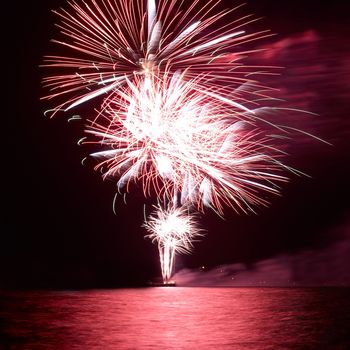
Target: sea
x=176, y=318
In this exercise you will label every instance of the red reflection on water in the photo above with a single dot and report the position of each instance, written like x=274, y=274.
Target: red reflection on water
x=178, y=318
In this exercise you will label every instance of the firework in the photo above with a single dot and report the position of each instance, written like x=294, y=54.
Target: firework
x=183, y=146
x=187, y=149
x=174, y=230
x=177, y=110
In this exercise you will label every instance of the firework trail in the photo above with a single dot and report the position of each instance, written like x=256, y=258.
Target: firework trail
x=177, y=110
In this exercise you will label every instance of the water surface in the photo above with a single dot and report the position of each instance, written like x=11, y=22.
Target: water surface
x=177, y=318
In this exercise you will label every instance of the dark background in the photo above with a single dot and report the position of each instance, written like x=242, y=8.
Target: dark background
x=58, y=228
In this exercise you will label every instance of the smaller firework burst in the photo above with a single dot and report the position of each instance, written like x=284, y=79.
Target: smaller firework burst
x=174, y=230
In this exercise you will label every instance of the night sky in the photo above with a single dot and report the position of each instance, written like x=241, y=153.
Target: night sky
x=59, y=229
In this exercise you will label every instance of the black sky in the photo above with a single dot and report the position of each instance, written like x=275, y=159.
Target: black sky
x=59, y=229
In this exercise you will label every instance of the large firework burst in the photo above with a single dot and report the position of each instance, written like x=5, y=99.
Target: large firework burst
x=184, y=145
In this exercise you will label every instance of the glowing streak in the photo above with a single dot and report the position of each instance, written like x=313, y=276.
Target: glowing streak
x=151, y=7
x=95, y=94
x=73, y=118
x=182, y=36
x=155, y=37
x=226, y=100
x=212, y=43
